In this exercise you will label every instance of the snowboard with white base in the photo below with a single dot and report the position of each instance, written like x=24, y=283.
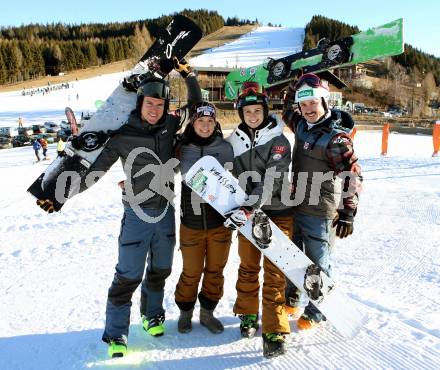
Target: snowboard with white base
x=221, y=190
x=66, y=174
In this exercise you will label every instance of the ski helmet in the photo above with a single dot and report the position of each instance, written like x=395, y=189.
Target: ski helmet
x=153, y=87
x=311, y=87
x=251, y=95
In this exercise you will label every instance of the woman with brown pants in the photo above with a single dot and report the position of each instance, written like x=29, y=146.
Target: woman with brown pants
x=204, y=241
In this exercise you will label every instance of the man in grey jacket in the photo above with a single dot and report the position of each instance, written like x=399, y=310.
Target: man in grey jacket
x=147, y=236
x=323, y=155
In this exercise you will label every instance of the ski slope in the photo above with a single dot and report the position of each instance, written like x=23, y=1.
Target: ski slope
x=253, y=48
x=56, y=269
x=38, y=108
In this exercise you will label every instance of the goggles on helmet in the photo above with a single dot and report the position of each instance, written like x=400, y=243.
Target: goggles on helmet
x=154, y=89
x=310, y=79
x=251, y=95
x=310, y=87
x=249, y=87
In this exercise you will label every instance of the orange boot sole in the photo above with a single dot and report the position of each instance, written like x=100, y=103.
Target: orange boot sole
x=291, y=311
x=304, y=324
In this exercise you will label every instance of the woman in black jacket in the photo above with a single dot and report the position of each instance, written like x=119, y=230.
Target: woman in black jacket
x=204, y=241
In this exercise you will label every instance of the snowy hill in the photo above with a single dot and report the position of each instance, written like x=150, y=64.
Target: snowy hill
x=38, y=108
x=56, y=269
x=253, y=48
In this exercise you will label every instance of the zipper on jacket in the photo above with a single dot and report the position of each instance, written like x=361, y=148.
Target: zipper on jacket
x=157, y=150
x=202, y=205
x=252, y=148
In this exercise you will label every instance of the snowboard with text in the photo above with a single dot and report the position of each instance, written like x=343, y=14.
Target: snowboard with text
x=65, y=175
x=221, y=190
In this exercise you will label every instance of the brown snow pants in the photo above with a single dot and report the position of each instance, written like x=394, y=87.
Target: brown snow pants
x=203, y=252
x=274, y=317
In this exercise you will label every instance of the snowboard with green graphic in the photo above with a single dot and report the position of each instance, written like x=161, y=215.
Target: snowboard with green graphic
x=375, y=43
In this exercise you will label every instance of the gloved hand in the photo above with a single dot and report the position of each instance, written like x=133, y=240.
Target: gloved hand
x=237, y=218
x=343, y=224
x=182, y=67
x=46, y=205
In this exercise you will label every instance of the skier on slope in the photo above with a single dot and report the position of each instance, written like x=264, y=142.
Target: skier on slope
x=36, y=146
x=322, y=146
x=149, y=133
x=204, y=241
x=43, y=143
x=260, y=146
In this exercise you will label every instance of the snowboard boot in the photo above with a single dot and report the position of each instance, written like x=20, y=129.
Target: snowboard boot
x=291, y=310
x=274, y=344
x=154, y=326
x=248, y=325
x=306, y=322
x=184, y=324
x=117, y=347
x=212, y=324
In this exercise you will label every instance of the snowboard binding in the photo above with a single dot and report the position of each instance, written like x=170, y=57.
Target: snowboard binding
x=261, y=230
x=313, y=282
x=279, y=69
x=333, y=54
x=89, y=141
x=132, y=82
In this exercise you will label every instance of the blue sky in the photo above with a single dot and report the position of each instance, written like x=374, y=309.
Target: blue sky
x=422, y=18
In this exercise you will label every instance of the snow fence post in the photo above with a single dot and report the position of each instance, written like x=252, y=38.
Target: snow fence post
x=353, y=133
x=436, y=138
x=385, y=134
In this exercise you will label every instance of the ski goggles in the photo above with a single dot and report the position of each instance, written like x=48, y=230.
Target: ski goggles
x=249, y=88
x=311, y=80
x=251, y=95
x=155, y=89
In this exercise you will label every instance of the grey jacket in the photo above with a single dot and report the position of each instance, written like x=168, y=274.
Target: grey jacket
x=320, y=154
x=145, y=151
x=267, y=154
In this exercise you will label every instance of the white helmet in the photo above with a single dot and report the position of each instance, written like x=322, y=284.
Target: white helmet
x=310, y=87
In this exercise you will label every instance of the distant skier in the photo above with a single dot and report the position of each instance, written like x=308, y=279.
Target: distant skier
x=44, y=146
x=259, y=146
x=150, y=130
x=60, y=147
x=36, y=146
x=204, y=241
x=322, y=146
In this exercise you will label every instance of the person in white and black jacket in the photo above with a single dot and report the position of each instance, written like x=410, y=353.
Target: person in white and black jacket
x=261, y=147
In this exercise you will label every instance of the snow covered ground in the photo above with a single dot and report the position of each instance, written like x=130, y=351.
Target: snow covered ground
x=253, y=48
x=56, y=269
x=38, y=108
